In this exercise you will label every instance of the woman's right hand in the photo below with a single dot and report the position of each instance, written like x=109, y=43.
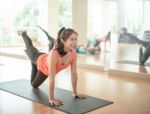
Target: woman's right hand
x=55, y=102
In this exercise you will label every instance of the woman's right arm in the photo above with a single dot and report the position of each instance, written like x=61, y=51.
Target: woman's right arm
x=52, y=72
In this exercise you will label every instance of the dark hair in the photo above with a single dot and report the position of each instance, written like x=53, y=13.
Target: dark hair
x=124, y=29
x=63, y=34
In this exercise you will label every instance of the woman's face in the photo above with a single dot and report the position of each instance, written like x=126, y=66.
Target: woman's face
x=71, y=42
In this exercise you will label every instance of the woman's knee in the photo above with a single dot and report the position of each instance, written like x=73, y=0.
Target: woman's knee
x=142, y=62
x=34, y=85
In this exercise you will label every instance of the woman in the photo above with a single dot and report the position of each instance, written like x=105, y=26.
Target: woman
x=125, y=36
x=48, y=65
x=93, y=45
x=143, y=55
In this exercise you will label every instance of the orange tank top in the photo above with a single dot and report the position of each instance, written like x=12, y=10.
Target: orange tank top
x=42, y=65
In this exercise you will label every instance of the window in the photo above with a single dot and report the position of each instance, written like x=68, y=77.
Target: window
x=65, y=13
x=102, y=16
x=18, y=14
x=137, y=15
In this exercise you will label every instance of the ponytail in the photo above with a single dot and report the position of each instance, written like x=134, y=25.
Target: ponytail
x=60, y=45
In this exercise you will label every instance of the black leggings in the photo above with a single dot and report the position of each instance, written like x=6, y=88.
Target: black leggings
x=144, y=43
x=50, y=39
x=143, y=56
x=37, y=77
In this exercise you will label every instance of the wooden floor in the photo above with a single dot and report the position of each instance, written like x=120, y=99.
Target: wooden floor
x=131, y=95
x=99, y=76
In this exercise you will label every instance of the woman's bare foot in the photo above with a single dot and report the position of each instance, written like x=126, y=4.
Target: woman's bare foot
x=20, y=32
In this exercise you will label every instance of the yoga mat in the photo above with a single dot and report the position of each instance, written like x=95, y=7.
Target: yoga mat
x=132, y=62
x=24, y=89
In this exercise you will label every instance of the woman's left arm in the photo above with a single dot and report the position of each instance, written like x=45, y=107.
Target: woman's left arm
x=74, y=78
x=74, y=75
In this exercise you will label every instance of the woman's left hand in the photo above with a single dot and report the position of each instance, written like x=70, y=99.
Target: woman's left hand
x=78, y=96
